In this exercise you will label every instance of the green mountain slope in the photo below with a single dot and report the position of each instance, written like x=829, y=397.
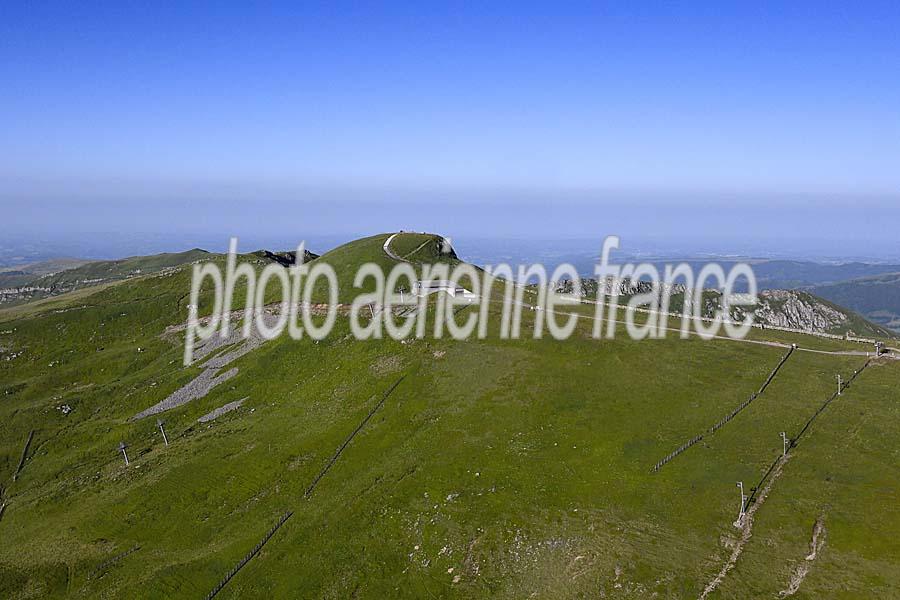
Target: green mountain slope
x=59, y=277
x=24, y=274
x=792, y=309
x=782, y=274
x=414, y=248
x=73, y=275
x=877, y=298
x=505, y=468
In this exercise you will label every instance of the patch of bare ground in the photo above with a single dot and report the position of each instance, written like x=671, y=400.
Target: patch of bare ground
x=226, y=408
x=210, y=377
x=815, y=546
x=470, y=567
x=746, y=530
x=386, y=365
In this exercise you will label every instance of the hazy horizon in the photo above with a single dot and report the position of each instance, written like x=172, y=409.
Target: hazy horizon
x=725, y=130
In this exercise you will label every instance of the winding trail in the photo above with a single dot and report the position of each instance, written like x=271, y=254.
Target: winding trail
x=397, y=257
x=387, y=248
x=800, y=573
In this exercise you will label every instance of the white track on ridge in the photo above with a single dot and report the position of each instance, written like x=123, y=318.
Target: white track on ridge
x=387, y=247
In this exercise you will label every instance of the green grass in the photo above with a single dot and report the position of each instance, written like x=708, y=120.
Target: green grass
x=347, y=258
x=523, y=465
x=86, y=274
x=877, y=297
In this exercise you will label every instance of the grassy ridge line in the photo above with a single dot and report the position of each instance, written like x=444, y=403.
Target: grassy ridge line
x=350, y=491
x=92, y=273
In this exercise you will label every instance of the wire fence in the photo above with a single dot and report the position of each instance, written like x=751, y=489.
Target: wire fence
x=350, y=437
x=249, y=555
x=102, y=567
x=309, y=490
x=792, y=441
x=724, y=421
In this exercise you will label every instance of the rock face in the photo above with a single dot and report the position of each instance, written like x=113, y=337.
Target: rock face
x=611, y=285
x=789, y=309
x=797, y=310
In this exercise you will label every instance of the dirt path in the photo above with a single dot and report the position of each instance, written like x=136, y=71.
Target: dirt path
x=759, y=495
x=746, y=526
x=387, y=248
x=815, y=546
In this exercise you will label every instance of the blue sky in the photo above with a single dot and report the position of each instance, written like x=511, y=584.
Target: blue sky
x=123, y=116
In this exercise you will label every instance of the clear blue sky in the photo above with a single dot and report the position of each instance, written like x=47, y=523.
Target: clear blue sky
x=124, y=116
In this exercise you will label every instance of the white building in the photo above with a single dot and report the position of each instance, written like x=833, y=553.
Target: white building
x=423, y=288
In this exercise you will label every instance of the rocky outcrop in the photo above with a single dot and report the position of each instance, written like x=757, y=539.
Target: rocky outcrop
x=614, y=285
x=785, y=309
x=797, y=310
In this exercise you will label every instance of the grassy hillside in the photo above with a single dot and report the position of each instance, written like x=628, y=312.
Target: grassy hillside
x=24, y=274
x=415, y=248
x=509, y=468
x=781, y=274
x=72, y=275
x=792, y=309
x=127, y=267
x=877, y=298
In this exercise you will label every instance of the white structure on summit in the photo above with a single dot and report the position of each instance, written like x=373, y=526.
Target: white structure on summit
x=423, y=288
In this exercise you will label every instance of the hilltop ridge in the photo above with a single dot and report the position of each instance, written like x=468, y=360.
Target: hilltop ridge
x=483, y=466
